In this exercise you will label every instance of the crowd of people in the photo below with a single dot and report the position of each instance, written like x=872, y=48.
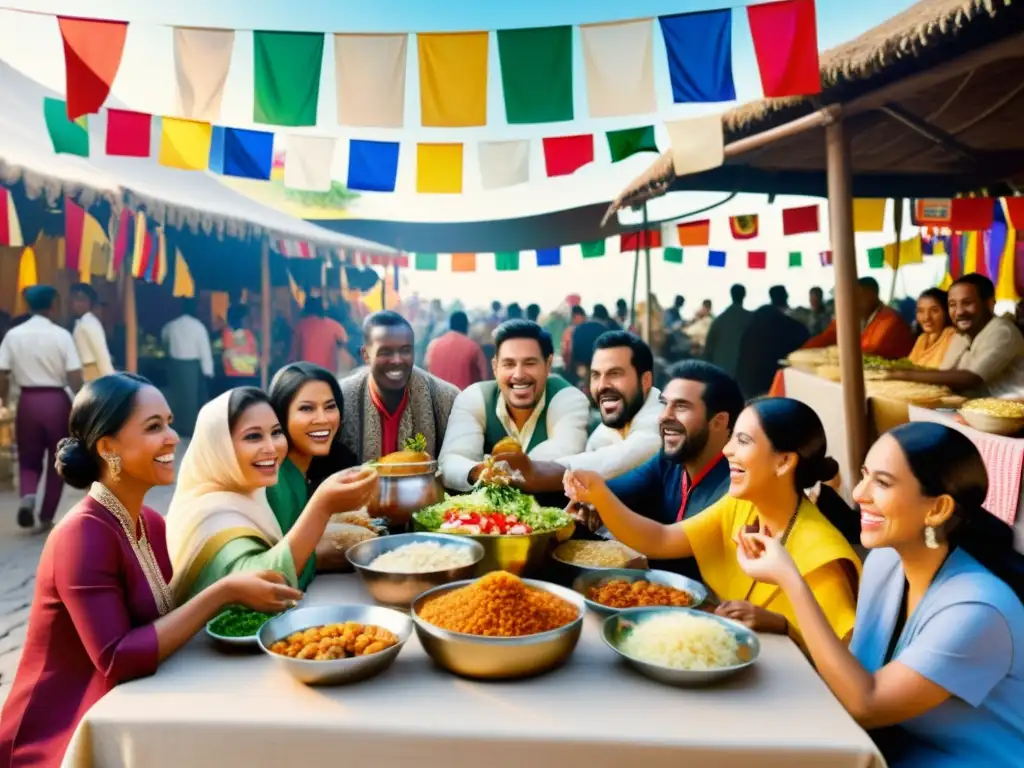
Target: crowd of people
x=922, y=642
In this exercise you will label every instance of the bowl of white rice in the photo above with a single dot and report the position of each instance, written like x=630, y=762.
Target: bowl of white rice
x=681, y=646
x=396, y=569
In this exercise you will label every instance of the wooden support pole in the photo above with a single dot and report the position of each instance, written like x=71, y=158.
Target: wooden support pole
x=844, y=261
x=266, y=342
x=131, y=324
x=647, y=267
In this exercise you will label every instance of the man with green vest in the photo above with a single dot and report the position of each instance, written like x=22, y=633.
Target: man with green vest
x=543, y=412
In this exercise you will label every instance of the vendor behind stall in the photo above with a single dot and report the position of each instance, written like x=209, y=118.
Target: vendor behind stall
x=882, y=331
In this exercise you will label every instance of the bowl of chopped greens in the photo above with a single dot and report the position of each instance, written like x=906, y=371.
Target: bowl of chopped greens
x=517, y=534
x=237, y=627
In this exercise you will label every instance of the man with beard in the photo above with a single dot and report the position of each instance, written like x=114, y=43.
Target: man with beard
x=699, y=405
x=390, y=400
x=541, y=411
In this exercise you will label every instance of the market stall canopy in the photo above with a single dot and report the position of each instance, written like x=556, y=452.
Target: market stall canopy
x=173, y=197
x=931, y=100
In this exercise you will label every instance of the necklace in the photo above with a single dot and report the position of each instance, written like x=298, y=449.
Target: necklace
x=782, y=541
x=140, y=546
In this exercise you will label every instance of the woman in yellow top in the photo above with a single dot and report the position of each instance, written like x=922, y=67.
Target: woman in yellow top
x=777, y=449
x=937, y=329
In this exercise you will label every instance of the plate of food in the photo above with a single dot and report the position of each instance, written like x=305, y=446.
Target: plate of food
x=681, y=646
x=237, y=627
x=576, y=557
x=617, y=589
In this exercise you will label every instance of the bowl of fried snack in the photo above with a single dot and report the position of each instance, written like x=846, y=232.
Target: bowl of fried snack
x=499, y=626
x=995, y=416
x=609, y=591
x=332, y=644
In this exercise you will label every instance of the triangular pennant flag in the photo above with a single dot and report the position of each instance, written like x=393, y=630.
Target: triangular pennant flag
x=549, y=257
x=757, y=260
x=69, y=137
x=593, y=249
x=876, y=258
x=716, y=259
x=536, y=74
x=744, y=227
x=799, y=221
x=463, y=262
x=786, y=45
x=92, y=55
x=10, y=226
x=631, y=141
x=506, y=261
x=796, y=259
x=673, y=255
x=287, y=77
x=184, y=286
x=699, y=50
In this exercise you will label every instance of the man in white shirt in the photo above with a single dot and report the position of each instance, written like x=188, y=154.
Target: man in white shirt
x=543, y=412
x=40, y=357
x=90, y=338
x=622, y=386
x=189, y=366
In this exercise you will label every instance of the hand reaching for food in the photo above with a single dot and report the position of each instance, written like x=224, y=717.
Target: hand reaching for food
x=347, y=490
x=753, y=616
x=263, y=591
x=586, y=515
x=582, y=486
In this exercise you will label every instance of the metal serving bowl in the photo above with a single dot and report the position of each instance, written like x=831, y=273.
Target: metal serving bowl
x=339, y=670
x=404, y=489
x=499, y=658
x=584, y=583
x=565, y=573
x=402, y=588
x=617, y=627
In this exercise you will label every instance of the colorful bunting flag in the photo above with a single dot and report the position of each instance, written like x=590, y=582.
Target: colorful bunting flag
x=463, y=262
x=369, y=73
x=869, y=214
x=202, y=58
x=92, y=55
x=694, y=233
x=634, y=241
x=287, y=77
x=453, y=79
x=248, y=154
x=94, y=253
x=504, y=163
x=74, y=225
x=426, y=262
x=698, y=144
x=743, y=227
x=184, y=285
x=716, y=259
x=876, y=258
x=564, y=155
x=757, y=260
x=786, y=45
x=308, y=162
x=971, y=214
x=161, y=256
x=592, y=250
x=673, y=255
x=141, y=246
x=536, y=74
x=372, y=165
x=439, y=168
x=825, y=257
x=631, y=141
x=549, y=257
x=931, y=212
x=28, y=275
x=10, y=225
x=69, y=137
x=185, y=144
x=699, y=49
x=796, y=259
x=506, y=261
x=618, y=61
x=128, y=133
x=799, y=221
x=1014, y=210
x=995, y=241
x=909, y=252
x=122, y=237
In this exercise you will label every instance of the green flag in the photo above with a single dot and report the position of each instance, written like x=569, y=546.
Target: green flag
x=592, y=250
x=876, y=258
x=631, y=141
x=69, y=137
x=796, y=259
x=287, y=77
x=674, y=255
x=506, y=261
x=536, y=74
x=426, y=262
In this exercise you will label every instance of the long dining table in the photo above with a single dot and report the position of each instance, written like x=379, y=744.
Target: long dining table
x=208, y=709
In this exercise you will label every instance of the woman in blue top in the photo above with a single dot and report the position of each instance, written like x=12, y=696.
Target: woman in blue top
x=935, y=667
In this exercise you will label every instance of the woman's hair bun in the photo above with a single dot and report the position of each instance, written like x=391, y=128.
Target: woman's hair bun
x=75, y=464
x=828, y=468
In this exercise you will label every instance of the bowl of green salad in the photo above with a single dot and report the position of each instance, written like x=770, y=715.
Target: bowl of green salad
x=237, y=627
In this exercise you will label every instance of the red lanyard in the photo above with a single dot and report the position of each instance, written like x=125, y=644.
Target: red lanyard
x=688, y=485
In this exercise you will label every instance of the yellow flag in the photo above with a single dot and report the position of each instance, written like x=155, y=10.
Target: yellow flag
x=184, y=287
x=869, y=214
x=1005, y=288
x=185, y=144
x=970, y=252
x=161, y=255
x=947, y=281
x=453, y=79
x=297, y=293
x=95, y=249
x=910, y=253
x=439, y=168
x=139, y=254
x=27, y=277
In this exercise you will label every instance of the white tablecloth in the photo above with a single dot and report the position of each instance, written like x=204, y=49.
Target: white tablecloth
x=204, y=709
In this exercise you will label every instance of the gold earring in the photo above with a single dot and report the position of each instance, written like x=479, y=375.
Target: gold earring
x=114, y=465
x=931, y=539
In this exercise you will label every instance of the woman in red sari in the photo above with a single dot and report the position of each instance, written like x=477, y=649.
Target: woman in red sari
x=102, y=612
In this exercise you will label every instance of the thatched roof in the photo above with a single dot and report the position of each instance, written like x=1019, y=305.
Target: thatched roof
x=921, y=38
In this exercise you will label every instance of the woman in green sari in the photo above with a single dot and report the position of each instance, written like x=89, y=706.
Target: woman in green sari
x=220, y=522
x=307, y=401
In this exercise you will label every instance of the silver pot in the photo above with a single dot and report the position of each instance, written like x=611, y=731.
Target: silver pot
x=404, y=489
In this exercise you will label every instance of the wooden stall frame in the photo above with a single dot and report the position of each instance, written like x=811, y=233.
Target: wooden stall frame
x=265, y=313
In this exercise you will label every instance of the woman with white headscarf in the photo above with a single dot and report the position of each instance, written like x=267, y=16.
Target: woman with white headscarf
x=220, y=522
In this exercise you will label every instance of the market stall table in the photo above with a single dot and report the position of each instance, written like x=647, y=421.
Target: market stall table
x=204, y=708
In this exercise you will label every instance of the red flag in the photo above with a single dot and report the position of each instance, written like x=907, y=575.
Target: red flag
x=971, y=214
x=826, y=258
x=128, y=133
x=798, y=221
x=92, y=54
x=694, y=233
x=125, y=230
x=1014, y=212
x=74, y=224
x=786, y=44
x=564, y=155
x=757, y=260
x=743, y=227
x=634, y=241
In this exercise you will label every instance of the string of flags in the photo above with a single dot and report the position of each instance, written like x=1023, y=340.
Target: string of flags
x=536, y=67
